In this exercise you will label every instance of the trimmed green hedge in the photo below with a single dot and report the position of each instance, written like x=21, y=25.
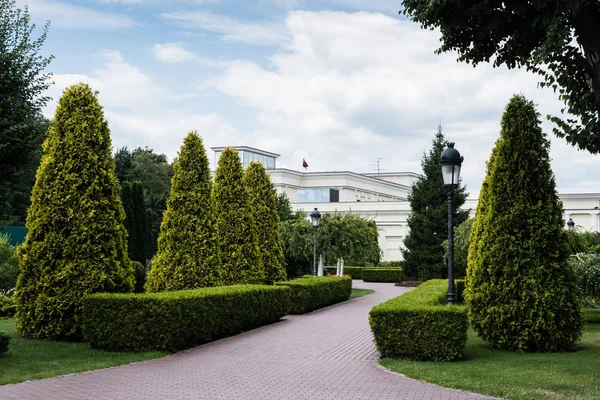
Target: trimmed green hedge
x=313, y=293
x=382, y=275
x=419, y=325
x=179, y=320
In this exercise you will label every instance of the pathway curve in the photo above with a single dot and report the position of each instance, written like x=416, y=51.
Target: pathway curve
x=328, y=354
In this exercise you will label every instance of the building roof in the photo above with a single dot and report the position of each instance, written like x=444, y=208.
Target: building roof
x=247, y=148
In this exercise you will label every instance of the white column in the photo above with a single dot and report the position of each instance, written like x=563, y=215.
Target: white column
x=594, y=220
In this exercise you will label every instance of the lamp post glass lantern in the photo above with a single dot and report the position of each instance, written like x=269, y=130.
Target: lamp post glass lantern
x=450, y=162
x=314, y=218
x=570, y=224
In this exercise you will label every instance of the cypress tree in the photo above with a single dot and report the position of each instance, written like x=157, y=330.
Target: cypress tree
x=238, y=237
x=187, y=255
x=428, y=221
x=264, y=211
x=77, y=243
x=132, y=197
x=522, y=294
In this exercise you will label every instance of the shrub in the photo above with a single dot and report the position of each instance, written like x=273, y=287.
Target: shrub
x=9, y=265
x=76, y=244
x=187, y=244
x=178, y=320
x=419, y=325
x=140, y=276
x=382, y=275
x=4, y=341
x=587, y=270
x=264, y=210
x=461, y=247
x=354, y=272
x=7, y=307
x=313, y=293
x=390, y=264
x=236, y=228
x=521, y=292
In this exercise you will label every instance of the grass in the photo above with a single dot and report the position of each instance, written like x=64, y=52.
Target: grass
x=34, y=359
x=359, y=293
x=517, y=375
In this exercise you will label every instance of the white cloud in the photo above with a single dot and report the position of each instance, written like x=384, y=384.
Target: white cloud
x=66, y=15
x=230, y=29
x=351, y=87
x=172, y=53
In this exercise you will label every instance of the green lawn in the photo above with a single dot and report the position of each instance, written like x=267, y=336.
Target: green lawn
x=359, y=292
x=516, y=375
x=35, y=359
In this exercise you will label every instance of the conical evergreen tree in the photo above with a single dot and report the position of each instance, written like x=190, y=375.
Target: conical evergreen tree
x=132, y=197
x=264, y=211
x=522, y=294
x=241, y=261
x=77, y=243
x=187, y=244
x=428, y=221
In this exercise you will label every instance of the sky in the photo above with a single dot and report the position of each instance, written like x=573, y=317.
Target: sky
x=345, y=84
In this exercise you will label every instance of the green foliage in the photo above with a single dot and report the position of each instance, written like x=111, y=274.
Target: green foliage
x=4, y=341
x=419, y=325
x=22, y=126
x=382, y=274
x=428, y=221
x=284, y=207
x=9, y=266
x=581, y=241
x=187, y=245
x=354, y=272
x=461, y=247
x=139, y=271
x=264, y=211
x=391, y=264
x=138, y=239
x=587, y=270
x=521, y=292
x=179, y=320
x=556, y=39
x=297, y=241
x=312, y=293
x=76, y=243
x=7, y=307
x=241, y=261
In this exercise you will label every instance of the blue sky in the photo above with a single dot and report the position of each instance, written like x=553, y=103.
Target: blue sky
x=337, y=82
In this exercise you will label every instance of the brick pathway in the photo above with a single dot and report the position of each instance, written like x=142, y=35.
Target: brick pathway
x=328, y=354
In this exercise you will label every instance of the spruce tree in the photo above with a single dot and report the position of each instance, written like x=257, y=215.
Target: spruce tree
x=428, y=221
x=77, y=243
x=241, y=261
x=522, y=294
x=187, y=255
x=264, y=211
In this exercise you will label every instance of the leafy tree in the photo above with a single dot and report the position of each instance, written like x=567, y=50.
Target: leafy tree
x=521, y=293
x=556, y=39
x=187, y=245
x=428, y=221
x=264, y=212
x=284, y=207
x=77, y=243
x=138, y=241
x=297, y=242
x=241, y=261
x=9, y=266
x=461, y=247
x=22, y=128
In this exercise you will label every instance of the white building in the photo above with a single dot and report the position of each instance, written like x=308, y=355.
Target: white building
x=381, y=197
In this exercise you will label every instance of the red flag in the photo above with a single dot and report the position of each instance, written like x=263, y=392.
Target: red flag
x=304, y=163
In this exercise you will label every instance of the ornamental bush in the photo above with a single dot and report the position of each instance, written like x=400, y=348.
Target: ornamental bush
x=4, y=341
x=587, y=270
x=354, y=272
x=76, y=244
x=178, y=320
x=9, y=265
x=383, y=275
x=521, y=292
x=419, y=325
x=7, y=306
x=187, y=245
x=310, y=293
x=241, y=261
x=264, y=211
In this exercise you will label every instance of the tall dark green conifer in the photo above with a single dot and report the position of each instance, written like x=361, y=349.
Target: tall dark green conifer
x=264, y=210
x=76, y=244
x=132, y=197
x=521, y=292
x=428, y=221
x=241, y=261
x=187, y=255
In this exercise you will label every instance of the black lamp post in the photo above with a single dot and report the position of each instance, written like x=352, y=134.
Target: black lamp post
x=450, y=161
x=570, y=224
x=314, y=218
